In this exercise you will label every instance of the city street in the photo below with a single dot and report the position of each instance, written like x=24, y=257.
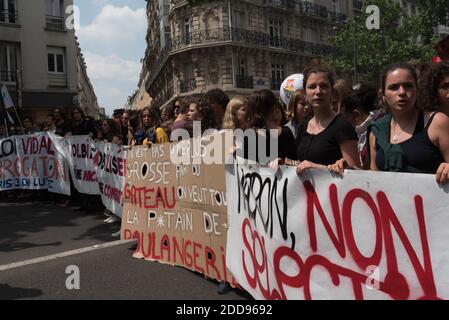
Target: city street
x=39, y=241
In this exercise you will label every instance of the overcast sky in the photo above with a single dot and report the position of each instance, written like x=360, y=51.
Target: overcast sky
x=112, y=39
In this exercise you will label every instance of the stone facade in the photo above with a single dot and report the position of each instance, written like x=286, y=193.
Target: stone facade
x=87, y=99
x=140, y=99
x=235, y=45
x=43, y=66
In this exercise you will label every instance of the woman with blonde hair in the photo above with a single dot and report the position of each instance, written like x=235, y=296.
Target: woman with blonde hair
x=235, y=114
x=298, y=111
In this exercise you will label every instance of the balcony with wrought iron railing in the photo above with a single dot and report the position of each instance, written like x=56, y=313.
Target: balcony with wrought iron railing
x=8, y=76
x=337, y=17
x=312, y=9
x=163, y=97
x=9, y=17
x=54, y=23
x=240, y=36
x=201, y=37
x=281, y=4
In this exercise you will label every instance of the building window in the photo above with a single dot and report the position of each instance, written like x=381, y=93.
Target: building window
x=8, y=11
x=242, y=78
x=54, y=8
x=310, y=35
x=57, y=75
x=56, y=63
x=239, y=21
x=186, y=31
x=242, y=67
x=275, y=29
x=55, y=16
x=277, y=76
x=8, y=62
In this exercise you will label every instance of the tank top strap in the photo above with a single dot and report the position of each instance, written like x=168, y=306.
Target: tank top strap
x=429, y=122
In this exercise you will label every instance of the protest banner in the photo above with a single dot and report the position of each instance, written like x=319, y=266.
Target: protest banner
x=80, y=151
x=110, y=165
x=369, y=235
x=177, y=212
x=33, y=162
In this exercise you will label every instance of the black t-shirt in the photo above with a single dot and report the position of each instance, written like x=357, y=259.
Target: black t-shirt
x=324, y=148
x=83, y=128
x=285, y=143
x=63, y=128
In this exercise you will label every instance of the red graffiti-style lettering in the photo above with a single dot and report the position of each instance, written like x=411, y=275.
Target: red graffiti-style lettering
x=41, y=145
x=314, y=203
x=394, y=284
x=259, y=267
x=424, y=273
x=196, y=256
x=211, y=262
x=362, y=261
x=151, y=198
x=169, y=249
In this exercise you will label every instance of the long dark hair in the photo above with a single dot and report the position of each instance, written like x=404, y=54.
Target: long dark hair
x=393, y=67
x=260, y=106
x=208, y=120
x=428, y=97
x=83, y=116
x=154, y=114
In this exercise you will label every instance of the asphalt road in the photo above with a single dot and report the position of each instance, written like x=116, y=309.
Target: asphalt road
x=35, y=230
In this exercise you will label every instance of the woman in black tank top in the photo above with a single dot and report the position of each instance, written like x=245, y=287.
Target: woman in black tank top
x=408, y=139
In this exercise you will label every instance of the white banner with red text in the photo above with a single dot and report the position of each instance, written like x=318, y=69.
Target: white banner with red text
x=33, y=162
x=110, y=163
x=80, y=151
x=369, y=235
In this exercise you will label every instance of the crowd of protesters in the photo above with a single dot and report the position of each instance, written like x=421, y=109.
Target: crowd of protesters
x=399, y=125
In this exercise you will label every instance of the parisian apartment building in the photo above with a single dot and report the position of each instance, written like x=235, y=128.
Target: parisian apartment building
x=140, y=98
x=238, y=45
x=40, y=60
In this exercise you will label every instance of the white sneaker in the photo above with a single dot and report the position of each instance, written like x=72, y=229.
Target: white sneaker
x=107, y=220
x=117, y=234
x=113, y=219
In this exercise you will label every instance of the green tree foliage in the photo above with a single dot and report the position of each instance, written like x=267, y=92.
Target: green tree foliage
x=374, y=49
x=432, y=14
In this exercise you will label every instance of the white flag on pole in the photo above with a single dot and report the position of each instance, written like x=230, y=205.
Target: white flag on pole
x=7, y=98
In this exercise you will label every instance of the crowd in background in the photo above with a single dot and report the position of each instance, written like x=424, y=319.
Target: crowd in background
x=400, y=124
